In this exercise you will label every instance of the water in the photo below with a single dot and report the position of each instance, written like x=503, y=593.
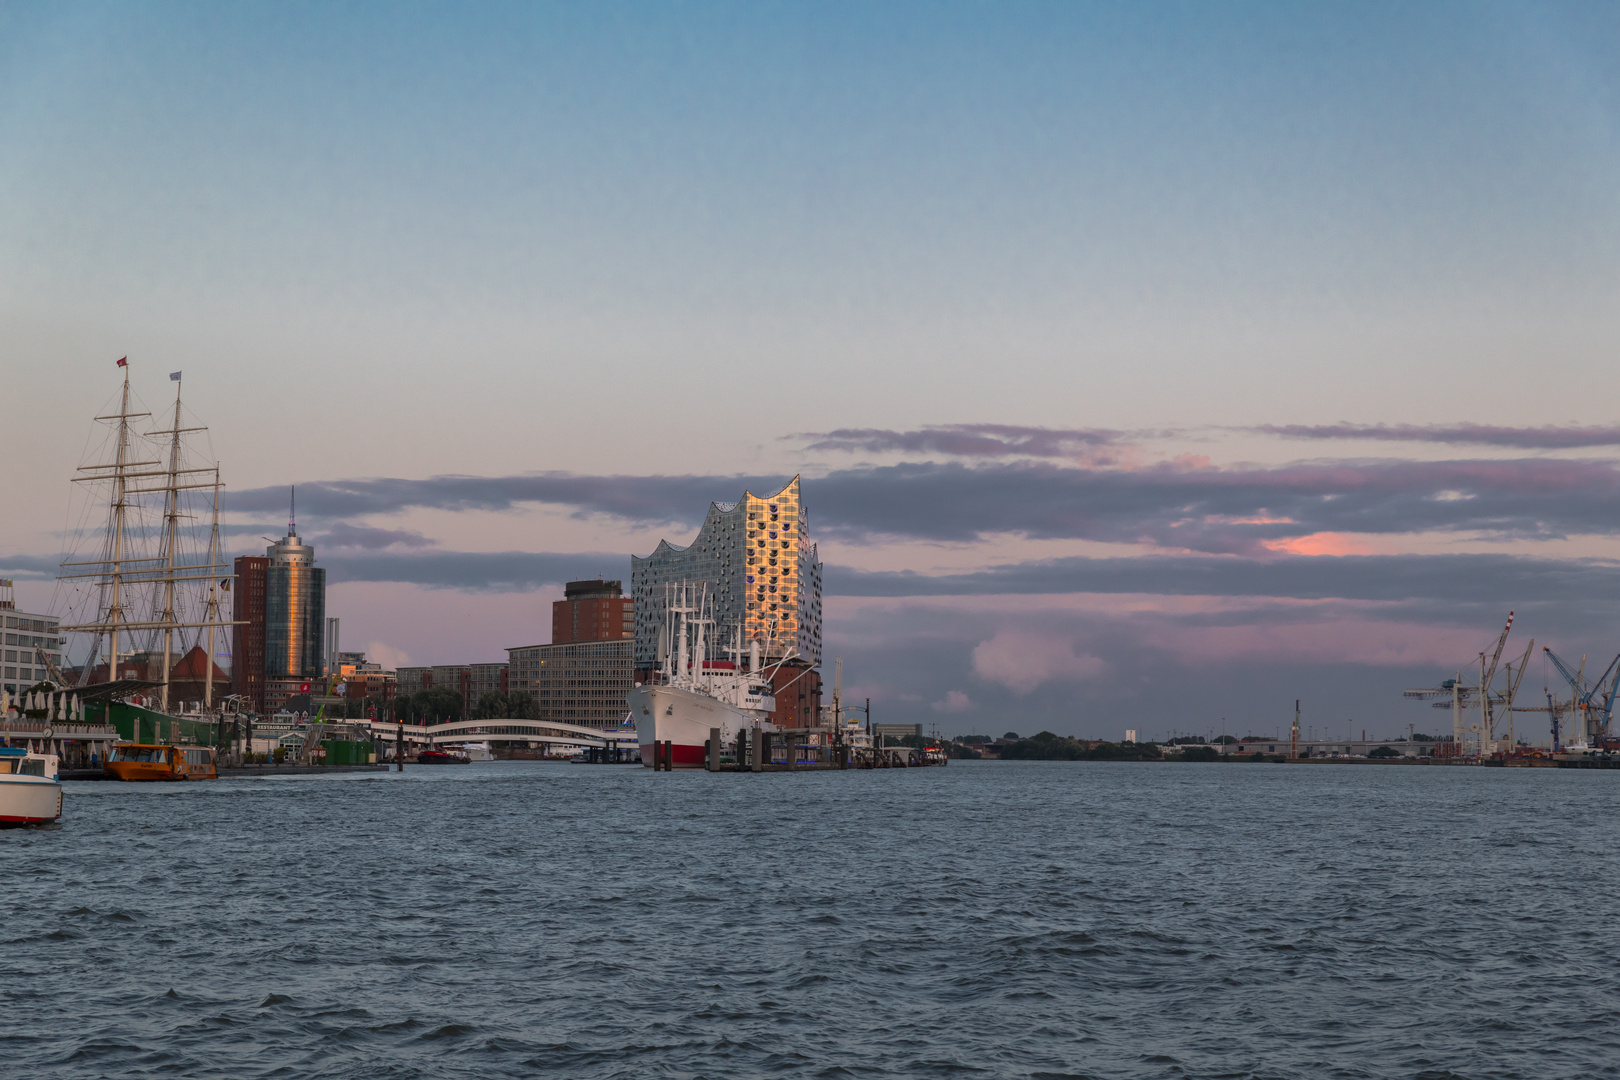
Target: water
x=987, y=919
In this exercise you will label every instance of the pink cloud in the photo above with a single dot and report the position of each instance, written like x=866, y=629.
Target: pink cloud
x=1322, y=543
x=1022, y=661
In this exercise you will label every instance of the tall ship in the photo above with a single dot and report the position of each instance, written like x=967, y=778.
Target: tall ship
x=692, y=694
x=143, y=579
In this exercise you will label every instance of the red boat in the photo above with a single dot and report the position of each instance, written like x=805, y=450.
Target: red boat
x=440, y=757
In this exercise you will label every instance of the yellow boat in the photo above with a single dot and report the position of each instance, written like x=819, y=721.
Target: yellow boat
x=155, y=761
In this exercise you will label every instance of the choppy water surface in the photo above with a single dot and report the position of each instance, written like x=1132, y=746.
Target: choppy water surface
x=996, y=919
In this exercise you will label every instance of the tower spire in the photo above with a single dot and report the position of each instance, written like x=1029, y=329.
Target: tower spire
x=292, y=512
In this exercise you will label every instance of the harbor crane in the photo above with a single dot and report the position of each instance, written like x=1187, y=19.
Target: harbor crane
x=1460, y=698
x=1594, y=718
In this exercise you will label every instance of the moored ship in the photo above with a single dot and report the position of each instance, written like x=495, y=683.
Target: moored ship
x=698, y=695
x=146, y=584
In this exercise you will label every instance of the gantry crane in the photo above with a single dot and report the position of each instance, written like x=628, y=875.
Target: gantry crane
x=1594, y=718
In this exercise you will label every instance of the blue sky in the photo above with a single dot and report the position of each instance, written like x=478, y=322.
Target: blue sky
x=689, y=241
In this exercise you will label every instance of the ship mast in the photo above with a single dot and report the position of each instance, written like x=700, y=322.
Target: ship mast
x=213, y=601
x=117, y=572
x=113, y=576
x=171, y=514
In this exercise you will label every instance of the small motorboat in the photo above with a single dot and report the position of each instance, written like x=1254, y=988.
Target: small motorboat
x=157, y=761
x=30, y=787
x=440, y=757
x=476, y=751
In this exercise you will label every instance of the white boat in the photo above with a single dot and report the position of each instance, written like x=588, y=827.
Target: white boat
x=475, y=751
x=30, y=788
x=698, y=695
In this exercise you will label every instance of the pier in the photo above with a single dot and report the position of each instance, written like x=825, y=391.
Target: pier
x=799, y=749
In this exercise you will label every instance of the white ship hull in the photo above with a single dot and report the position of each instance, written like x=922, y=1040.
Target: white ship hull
x=685, y=718
x=29, y=800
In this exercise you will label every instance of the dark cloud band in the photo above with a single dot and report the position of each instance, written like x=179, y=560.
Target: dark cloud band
x=1525, y=438
x=1228, y=511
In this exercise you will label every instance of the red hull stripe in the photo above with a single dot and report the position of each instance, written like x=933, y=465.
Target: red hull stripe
x=26, y=820
x=684, y=754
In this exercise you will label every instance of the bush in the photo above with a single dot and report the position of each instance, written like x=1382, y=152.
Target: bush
x=281, y=754
x=1384, y=752
x=1200, y=753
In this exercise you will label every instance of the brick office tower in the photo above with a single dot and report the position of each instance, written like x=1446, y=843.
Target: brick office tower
x=247, y=638
x=583, y=675
x=592, y=611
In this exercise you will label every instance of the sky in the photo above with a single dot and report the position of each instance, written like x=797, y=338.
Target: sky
x=1147, y=365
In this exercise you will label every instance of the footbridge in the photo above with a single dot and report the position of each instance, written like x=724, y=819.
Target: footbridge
x=535, y=734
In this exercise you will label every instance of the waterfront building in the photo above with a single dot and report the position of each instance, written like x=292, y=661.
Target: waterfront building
x=413, y=680
x=457, y=677
x=484, y=679
x=577, y=682
x=759, y=567
x=361, y=679
x=247, y=637
x=23, y=633
x=280, y=602
x=294, y=611
x=469, y=681
x=592, y=611
x=756, y=564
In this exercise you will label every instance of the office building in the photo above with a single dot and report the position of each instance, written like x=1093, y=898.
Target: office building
x=484, y=679
x=413, y=680
x=247, y=636
x=294, y=611
x=592, y=611
x=21, y=636
x=280, y=602
x=579, y=682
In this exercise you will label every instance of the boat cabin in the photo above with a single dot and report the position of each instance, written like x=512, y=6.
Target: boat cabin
x=155, y=761
x=18, y=761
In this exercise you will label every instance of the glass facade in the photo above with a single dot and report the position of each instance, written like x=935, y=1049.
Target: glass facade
x=294, y=612
x=761, y=571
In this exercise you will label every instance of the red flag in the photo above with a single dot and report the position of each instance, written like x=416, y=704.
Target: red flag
x=124, y=362
x=304, y=688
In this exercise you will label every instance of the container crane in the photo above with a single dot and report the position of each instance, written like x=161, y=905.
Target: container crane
x=1582, y=694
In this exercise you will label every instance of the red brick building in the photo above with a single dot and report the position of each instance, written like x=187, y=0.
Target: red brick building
x=247, y=641
x=592, y=611
x=798, y=696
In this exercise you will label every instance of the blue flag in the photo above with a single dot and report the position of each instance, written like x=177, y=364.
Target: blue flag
x=174, y=376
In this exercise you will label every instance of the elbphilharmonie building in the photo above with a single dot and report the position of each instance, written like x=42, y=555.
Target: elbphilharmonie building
x=760, y=568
